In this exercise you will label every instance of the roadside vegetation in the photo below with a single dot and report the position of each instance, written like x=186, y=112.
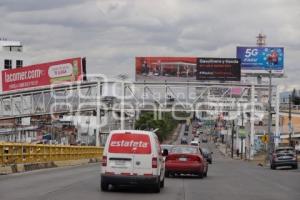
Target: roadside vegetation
x=165, y=125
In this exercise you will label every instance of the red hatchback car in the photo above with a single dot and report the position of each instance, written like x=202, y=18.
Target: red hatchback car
x=186, y=160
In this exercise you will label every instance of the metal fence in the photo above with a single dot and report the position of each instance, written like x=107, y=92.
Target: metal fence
x=285, y=107
x=19, y=153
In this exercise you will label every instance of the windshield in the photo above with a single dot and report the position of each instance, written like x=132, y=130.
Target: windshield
x=167, y=147
x=284, y=151
x=182, y=149
x=205, y=151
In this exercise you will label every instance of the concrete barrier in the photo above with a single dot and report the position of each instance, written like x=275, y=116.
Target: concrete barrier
x=19, y=168
x=5, y=170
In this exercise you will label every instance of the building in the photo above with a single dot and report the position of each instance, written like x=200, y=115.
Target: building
x=284, y=96
x=11, y=54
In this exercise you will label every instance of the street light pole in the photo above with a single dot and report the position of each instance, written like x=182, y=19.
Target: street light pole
x=232, y=138
x=270, y=142
x=290, y=120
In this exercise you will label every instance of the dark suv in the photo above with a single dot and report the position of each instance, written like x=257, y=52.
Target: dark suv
x=284, y=156
x=183, y=140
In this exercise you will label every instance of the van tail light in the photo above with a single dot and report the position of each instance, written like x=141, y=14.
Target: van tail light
x=104, y=161
x=154, y=162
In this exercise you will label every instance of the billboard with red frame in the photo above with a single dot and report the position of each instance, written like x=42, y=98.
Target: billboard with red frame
x=165, y=68
x=56, y=72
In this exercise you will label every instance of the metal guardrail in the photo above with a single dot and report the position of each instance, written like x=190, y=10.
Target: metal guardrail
x=293, y=107
x=21, y=153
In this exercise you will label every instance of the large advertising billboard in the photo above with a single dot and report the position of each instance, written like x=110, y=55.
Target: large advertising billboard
x=218, y=69
x=57, y=72
x=165, y=69
x=259, y=60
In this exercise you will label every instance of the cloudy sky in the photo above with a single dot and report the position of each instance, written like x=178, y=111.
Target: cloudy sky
x=110, y=33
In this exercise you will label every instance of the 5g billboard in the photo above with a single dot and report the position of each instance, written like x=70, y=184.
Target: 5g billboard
x=259, y=60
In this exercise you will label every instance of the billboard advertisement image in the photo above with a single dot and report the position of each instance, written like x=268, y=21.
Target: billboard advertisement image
x=165, y=69
x=57, y=72
x=218, y=69
x=261, y=59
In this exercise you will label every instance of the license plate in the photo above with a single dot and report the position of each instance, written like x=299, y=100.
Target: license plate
x=120, y=162
x=183, y=159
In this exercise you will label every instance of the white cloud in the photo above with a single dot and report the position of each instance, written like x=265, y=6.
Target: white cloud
x=110, y=33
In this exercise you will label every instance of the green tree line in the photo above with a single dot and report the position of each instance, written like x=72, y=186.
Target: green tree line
x=166, y=124
x=295, y=98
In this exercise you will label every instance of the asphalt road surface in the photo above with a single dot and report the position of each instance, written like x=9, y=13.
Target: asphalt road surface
x=227, y=179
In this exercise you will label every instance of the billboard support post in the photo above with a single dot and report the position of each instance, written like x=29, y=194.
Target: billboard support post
x=98, y=115
x=270, y=143
x=232, y=138
x=122, y=106
x=277, y=134
x=252, y=131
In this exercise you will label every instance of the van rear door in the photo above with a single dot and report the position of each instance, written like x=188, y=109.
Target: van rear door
x=123, y=147
x=142, y=159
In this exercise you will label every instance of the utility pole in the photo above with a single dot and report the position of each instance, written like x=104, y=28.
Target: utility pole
x=270, y=143
x=232, y=138
x=98, y=114
x=290, y=120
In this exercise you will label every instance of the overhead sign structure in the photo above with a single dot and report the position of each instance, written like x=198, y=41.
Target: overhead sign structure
x=218, y=69
x=259, y=60
x=242, y=133
x=57, y=72
x=165, y=69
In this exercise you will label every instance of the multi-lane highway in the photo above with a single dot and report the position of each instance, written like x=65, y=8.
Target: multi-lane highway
x=227, y=179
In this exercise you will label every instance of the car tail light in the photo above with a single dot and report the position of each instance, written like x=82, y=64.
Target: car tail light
x=170, y=157
x=196, y=158
x=104, y=161
x=274, y=156
x=295, y=157
x=154, y=162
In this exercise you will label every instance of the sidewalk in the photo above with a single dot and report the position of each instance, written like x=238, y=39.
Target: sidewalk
x=259, y=159
x=172, y=138
x=222, y=149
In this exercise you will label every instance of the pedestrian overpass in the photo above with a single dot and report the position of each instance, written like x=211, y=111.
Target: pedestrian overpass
x=125, y=100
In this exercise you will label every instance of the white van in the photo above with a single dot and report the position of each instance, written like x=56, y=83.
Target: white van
x=132, y=157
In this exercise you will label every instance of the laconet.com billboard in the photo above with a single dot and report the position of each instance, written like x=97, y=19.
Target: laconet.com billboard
x=62, y=71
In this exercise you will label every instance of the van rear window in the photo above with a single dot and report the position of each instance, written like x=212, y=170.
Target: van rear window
x=130, y=143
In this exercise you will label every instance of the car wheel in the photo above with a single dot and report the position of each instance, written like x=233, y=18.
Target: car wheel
x=167, y=174
x=205, y=174
x=295, y=166
x=162, y=183
x=157, y=186
x=273, y=167
x=200, y=175
x=104, y=186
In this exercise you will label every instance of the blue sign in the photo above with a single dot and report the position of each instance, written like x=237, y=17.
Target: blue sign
x=260, y=58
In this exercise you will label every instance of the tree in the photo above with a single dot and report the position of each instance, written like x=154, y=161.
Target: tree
x=165, y=126
x=295, y=97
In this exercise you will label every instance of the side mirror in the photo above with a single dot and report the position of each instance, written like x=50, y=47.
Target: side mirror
x=165, y=152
